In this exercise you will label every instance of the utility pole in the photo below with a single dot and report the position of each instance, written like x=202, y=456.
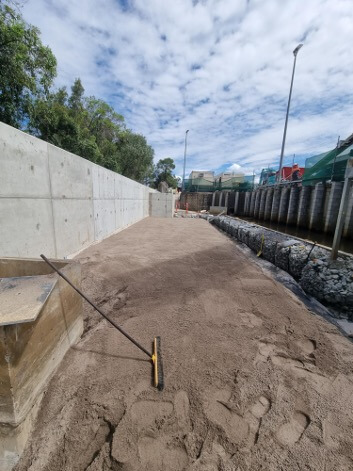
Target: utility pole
x=186, y=141
x=295, y=52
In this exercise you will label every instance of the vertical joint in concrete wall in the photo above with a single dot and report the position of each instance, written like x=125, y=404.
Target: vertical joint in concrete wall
x=226, y=199
x=303, y=207
x=348, y=224
x=275, y=204
x=293, y=205
x=213, y=199
x=262, y=203
x=247, y=203
x=268, y=204
x=241, y=202
x=257, y=203
x=252, y=203
x=332, y=207
x=283, y=205
x=236, y=203
x=316, y=207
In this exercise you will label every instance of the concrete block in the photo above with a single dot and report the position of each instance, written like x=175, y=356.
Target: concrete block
x=32, y=348
x=70, y=175
x=161, y=205
x=26, y=227
x=23, y=164
x=74, y=225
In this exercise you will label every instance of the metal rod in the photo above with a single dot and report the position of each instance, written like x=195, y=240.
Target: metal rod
x=334, y=160
x=186, y=139
x=96, y=307
x=342, y=210
x=295, y=52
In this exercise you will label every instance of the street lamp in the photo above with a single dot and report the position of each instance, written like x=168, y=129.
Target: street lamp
x=295, y=52
x=186, y=140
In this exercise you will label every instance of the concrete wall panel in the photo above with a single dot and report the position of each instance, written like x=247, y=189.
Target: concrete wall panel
x=162, y=205
x=70, y=175
x=103, y=183
x=26, y=227
x=104, y=218
x=55, y=202
x=23, y=164
x=74, y=227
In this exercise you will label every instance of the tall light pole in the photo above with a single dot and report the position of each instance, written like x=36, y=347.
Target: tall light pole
x=186, y=143
x=295, y=52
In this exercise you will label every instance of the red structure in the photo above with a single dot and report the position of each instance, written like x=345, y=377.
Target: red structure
x=292, y=173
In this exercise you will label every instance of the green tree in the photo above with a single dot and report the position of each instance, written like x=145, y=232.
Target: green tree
x=76, y=98
x=135, y=156
x=27, y=66
x=164, y=173
x=49, y=119
x=91, y=128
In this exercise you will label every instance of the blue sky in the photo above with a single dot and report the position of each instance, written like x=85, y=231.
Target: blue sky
x=220, y=68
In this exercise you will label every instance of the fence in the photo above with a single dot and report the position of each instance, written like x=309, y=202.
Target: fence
x=243, y=183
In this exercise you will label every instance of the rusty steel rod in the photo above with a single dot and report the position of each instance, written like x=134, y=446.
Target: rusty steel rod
x=96, y=307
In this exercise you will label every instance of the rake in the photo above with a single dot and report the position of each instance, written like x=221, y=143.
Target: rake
x=155, y=356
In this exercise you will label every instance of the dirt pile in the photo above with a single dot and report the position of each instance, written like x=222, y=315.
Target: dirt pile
x=254, y=381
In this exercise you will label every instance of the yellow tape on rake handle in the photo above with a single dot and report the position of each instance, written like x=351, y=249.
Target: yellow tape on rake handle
x=157, y=364
x=156, y=355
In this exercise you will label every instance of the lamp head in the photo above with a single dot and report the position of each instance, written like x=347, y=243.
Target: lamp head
x=186, y=131
x=296, y=50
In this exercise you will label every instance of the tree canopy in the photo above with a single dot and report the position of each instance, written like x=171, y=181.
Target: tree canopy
x=85, y=125
x=164, y=173
x=27, y=66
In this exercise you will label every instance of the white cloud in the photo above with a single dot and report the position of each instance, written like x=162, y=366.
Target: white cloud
x=237, y=168
x=220, y=68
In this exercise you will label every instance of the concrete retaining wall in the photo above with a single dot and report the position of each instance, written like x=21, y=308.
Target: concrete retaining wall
x=56, y=203
x=162, y=205
x=315, y=208
x=329, y=282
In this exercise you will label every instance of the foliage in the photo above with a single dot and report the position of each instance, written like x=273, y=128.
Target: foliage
x=163, y=173
x=135, y=156
x=27, y=67
x=87, y=126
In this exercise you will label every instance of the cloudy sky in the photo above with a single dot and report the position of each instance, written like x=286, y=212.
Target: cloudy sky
x=220, y=68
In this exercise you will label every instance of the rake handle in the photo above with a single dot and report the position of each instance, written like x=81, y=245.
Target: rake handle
x=96, y=307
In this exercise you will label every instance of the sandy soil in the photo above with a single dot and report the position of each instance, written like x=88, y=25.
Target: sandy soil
x=254, y=381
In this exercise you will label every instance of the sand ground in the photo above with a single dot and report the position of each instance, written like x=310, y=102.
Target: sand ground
x=253, y=380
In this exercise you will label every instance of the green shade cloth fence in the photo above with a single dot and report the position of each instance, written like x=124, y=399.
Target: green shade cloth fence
x=327, y=166
x=243, y=183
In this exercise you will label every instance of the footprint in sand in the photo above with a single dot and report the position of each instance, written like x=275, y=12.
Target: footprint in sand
x=223, y=413
x=292, y=431
x=306, y=346
x=254, y=417
x=247, y=319
x=159, y=455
